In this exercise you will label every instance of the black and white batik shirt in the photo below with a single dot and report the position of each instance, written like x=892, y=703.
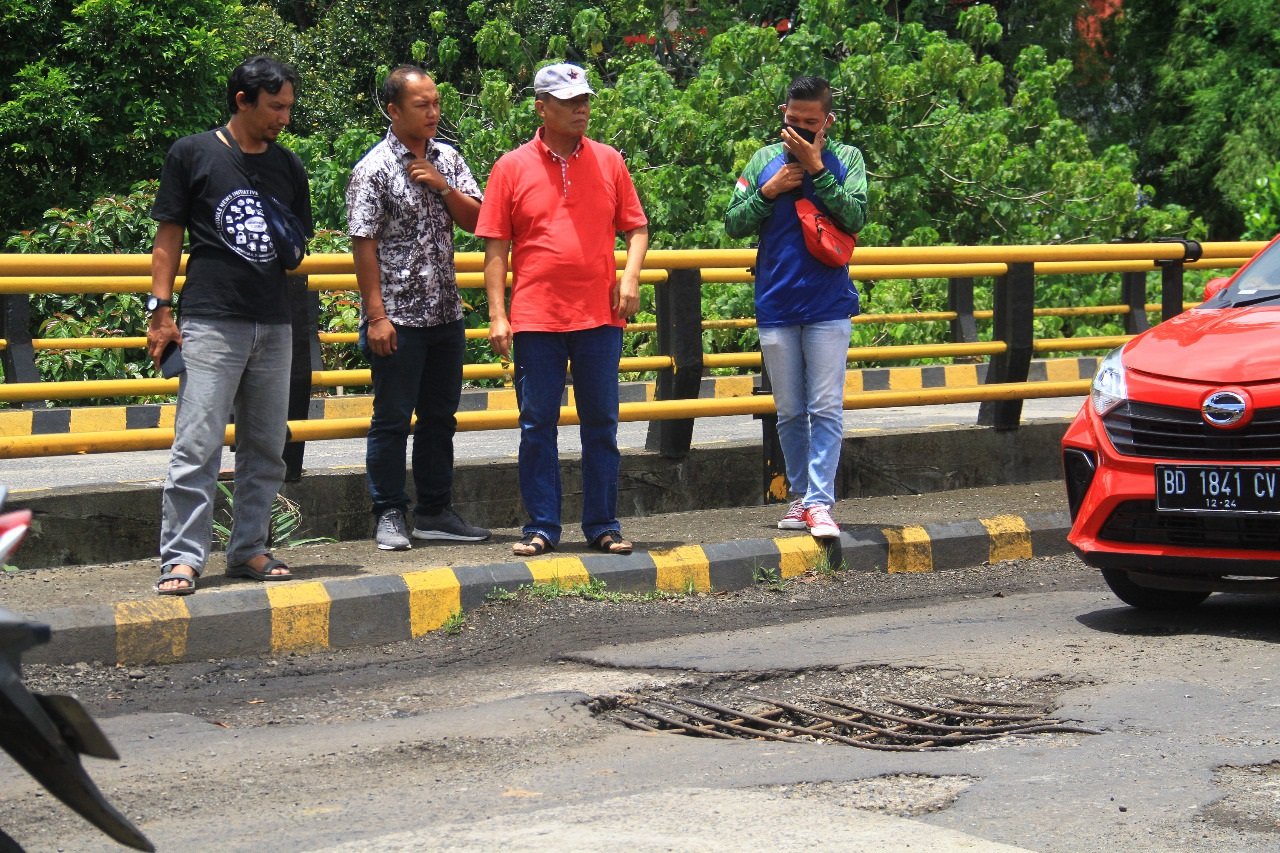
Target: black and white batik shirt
x=413, y=228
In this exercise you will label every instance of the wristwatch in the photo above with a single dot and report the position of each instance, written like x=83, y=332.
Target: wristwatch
x=444, y=192
x=154, y=302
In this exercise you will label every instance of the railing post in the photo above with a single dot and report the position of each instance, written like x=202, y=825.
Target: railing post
x=1013, y=322
x=774, y=487
x=304, y=316
x=19, y=356
x=678, y=305
x=1170, y=289
x=964, y=328
x=1133, y=292
x=1171, y=278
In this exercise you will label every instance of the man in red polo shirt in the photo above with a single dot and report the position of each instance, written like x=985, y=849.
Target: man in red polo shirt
x=556, y=204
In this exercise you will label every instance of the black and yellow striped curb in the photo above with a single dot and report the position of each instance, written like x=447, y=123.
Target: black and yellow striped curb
x=309, y=616
x=19, y=422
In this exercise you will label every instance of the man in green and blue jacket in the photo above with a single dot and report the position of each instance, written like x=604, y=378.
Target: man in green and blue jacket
x=803, y=306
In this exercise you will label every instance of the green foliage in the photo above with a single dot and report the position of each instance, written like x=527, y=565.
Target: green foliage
x=1193, y=86
x=967, y=115
x=113, y=224
x=328, y=162
x=286, y=522
x=113, y=85
x=454, y=624
x=770, y=577
x=1262, y=207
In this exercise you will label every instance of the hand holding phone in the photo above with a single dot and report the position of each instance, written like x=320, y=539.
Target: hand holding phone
x=171, y=362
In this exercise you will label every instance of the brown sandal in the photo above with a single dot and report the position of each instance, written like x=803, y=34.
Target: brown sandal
x=532, y=545
x=611, y=542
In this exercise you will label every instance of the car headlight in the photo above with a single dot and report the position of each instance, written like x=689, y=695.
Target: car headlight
x=1109, y=386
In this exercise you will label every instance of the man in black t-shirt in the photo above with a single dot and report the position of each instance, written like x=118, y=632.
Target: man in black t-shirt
x=235, y=334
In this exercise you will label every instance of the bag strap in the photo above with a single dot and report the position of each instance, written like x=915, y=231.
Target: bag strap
x=228, y=139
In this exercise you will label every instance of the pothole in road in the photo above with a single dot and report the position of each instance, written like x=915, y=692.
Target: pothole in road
x=1251, y=799
x=883, y=708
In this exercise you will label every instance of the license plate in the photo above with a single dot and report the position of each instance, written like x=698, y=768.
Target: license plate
x=1217, y=488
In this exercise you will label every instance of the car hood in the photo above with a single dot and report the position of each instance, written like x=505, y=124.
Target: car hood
x=1219, y=345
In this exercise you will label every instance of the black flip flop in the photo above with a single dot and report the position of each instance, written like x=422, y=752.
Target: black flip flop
x=611, y=542
x=244, y=570
x=176, y=590
x=536, y=542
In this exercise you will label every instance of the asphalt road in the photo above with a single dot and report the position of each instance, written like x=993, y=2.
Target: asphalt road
x=486, y=738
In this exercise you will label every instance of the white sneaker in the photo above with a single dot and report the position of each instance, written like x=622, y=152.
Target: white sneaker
x=821, y=526
x=794, y=519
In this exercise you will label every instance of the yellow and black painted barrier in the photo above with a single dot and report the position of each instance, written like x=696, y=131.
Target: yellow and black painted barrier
x=305, y=616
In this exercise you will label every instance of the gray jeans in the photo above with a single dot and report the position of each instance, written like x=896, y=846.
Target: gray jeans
x=231, y=364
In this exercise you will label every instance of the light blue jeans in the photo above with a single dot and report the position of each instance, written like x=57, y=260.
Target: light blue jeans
x=238, y=365
x=806, y=367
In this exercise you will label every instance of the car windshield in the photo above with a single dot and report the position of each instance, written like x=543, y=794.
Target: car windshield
x=1258, y=283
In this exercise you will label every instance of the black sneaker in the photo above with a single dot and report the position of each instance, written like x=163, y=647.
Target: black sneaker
x=447, y=524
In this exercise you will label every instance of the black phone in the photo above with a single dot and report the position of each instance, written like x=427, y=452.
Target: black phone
x=172, y=363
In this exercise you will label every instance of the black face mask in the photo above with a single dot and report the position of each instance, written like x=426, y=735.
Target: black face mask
x=807, y=135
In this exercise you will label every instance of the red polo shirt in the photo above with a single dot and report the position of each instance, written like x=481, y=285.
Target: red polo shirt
x=562, y=218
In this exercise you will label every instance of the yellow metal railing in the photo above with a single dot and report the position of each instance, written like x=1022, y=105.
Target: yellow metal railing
x=32, y=274
x=12, y=447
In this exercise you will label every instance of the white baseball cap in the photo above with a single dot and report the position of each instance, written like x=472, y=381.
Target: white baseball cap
x=563, y=81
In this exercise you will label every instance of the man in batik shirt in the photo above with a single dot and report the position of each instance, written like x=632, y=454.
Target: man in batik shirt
x=403, y=200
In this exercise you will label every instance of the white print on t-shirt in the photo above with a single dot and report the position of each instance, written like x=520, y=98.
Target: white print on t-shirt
x=243, y=227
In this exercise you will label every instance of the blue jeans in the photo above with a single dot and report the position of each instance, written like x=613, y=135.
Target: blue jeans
x=806, y=367
x=423, y=374
x=235, y=365
x=541, y=359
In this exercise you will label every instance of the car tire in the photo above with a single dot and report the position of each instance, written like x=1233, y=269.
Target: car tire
x=1149, y=598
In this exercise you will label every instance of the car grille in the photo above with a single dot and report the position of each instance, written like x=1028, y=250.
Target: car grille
x=1143, y=429
x=1139, y=523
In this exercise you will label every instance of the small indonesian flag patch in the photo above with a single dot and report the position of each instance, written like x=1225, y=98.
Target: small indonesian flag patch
x=742, y=185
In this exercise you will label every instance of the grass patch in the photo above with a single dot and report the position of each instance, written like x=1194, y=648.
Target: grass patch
x=454, y=624
x=771, y=577
x=824, y=564
x=592, y=589
x=286, y=523
x=498, y=595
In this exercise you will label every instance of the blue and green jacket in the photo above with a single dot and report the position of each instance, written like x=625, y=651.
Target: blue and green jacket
x=792, y=287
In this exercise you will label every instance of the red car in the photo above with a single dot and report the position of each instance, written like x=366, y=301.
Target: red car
x=1173, y=465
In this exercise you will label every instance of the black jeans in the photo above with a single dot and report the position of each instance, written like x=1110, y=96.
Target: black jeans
x=423, y=375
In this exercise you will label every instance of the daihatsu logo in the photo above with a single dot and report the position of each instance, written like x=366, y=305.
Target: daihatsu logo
x=1224, y=408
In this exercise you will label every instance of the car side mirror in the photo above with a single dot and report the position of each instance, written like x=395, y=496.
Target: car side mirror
x=1215, y=286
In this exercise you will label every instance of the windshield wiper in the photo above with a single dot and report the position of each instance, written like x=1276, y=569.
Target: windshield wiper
x=1256, y=300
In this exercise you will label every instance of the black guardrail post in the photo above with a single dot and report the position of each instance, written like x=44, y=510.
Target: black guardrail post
x=1013, y=322
x=964, y=328
x=1171, y=273
x=1133, y=292
x=773, y=482
x=18, y=357
x=678, y=305
x=304, y=316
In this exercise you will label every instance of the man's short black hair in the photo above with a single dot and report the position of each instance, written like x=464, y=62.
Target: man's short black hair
x=258, y=74
x=396, y=80
x=810, y=89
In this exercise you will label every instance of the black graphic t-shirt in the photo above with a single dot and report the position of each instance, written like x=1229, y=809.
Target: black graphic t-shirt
x=233, y=270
